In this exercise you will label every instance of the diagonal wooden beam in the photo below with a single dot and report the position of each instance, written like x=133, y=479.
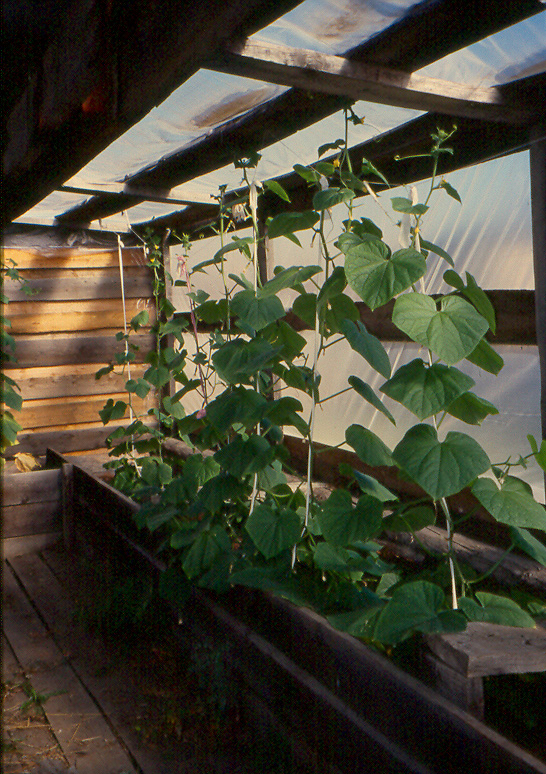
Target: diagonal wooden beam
x=474, y=141
x=328, y=74
x=108, y=66
x=430, y=30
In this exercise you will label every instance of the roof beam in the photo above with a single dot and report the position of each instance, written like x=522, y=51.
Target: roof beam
x=109, y=65
x=140, y=195
x=430, y=30
x=475, y=141
x=313, y=71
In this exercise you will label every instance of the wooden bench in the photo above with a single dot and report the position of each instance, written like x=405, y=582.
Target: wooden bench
x=457, y=662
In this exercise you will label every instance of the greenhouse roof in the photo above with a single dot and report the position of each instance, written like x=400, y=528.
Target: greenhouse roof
x=124, y=113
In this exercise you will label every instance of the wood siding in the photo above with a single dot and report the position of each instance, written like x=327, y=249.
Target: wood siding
x=64, y=332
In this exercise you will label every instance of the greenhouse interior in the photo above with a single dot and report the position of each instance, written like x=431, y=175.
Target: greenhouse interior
x=274, y=386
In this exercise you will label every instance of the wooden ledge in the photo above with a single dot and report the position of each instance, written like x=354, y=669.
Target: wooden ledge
x=489, y=649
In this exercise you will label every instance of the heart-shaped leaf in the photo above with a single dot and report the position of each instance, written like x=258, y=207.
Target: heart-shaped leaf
x=425, y=390
x=451, y=332
x=416, y=606
x=343, y=524
x=491, y=608
x=441, y=468
x=511, y=504
x=272, y=531
x=410, y=519
x=256, y=312
x=376, y=276
x=206, y=549
x=238, y=360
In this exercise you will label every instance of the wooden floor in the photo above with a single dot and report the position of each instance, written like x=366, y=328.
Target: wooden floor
x=69, y=704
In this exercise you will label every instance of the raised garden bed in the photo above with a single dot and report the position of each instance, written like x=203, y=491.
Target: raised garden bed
x=344, y=706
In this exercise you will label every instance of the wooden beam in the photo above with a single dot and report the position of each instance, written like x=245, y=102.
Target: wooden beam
x=429, y=31
x=110, y=64
x=475, y=141
x=120, y=189
x=328, y=74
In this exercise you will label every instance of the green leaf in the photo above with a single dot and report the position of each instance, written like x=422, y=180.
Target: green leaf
x=486, y=358
x=474, y=294
x=366, y=392
x=367, y=345
x=238, y=406
x=330, y=146
x=333, y=286
x=212, y=311
x=272, y=185
x=214, y=494
x=425, y=390
x=12, y=399
x=343, y=525
x=401, y=204
x=448, y=188
x=287, y=278
x=139, y=386
x=370, y=486
x=112, y=411
x=329, y=197
x=287, y=222
x=340, y=308
x=528, y=543
x=254, y=311
x=410, y=519
x=242, y=457
x=158, y=376
x=431, y=247
x=368, y=168
x=472, y=409
x=239, y=243
x=511, y=504
x=369, y=448
x=376, y=276
x=305, y=307
x=272, y=531
x=416, y=606
x=239, y=360
x=441, y=468
x=491, y=608
x=308, y=173
x=335, y=558
x=452, y=332
x=139, y=320
x=540, y=454
x=205, y=551
x=358, y=623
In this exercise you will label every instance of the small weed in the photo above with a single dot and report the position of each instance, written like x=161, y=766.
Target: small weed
x=35, y=699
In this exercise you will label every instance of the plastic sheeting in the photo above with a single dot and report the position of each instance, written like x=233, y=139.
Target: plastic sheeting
x=489, y=235
x=209, y=99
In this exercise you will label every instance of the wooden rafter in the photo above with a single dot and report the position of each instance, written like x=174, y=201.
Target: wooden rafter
x=474, y=141
x=328, y=74
x=430, y=30
x=109, y=64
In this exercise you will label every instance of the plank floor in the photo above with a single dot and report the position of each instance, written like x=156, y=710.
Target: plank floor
x=71, y=704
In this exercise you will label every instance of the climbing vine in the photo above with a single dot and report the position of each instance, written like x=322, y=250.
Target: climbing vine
x=230, y=513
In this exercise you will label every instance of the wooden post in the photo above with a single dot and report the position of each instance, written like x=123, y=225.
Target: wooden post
x=537, y=158
x=67, y=505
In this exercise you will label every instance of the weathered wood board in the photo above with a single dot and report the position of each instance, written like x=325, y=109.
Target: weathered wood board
x=489, y=649
x=85, y=737
x=65, y=331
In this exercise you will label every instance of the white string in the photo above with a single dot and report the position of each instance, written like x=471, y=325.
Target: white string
x=120, y=258
x=253, y=202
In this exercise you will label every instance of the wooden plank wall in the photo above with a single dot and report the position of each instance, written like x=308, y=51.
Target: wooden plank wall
x=64, y=334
